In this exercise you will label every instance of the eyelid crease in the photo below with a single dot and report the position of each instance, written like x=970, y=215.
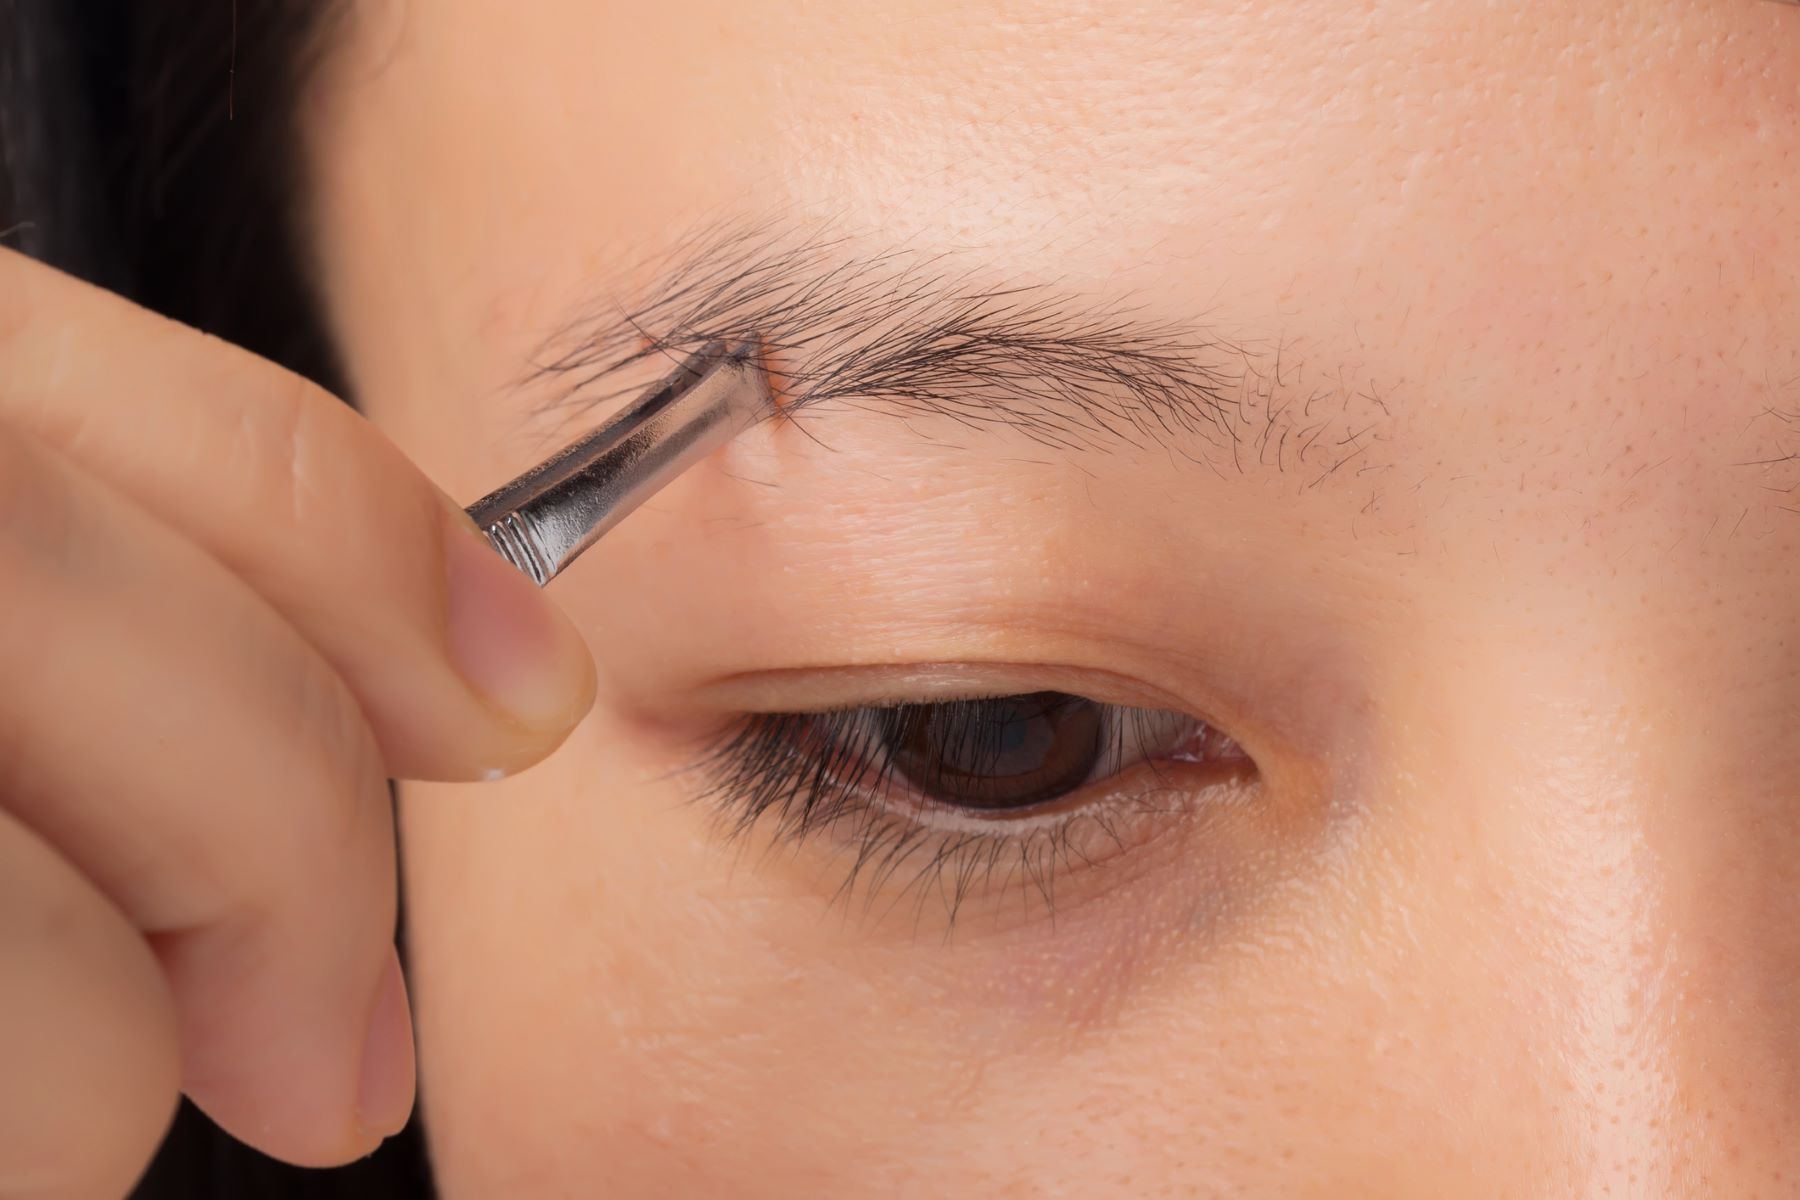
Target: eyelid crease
x=835, y=686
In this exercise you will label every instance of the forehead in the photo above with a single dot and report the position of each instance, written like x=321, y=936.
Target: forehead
x=1551, y=241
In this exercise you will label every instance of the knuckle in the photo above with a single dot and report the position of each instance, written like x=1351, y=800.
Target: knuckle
x=321, y=471
x=312, y=458
x=279, y=440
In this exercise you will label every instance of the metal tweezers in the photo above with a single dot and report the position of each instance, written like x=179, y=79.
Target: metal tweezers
x=543, y=519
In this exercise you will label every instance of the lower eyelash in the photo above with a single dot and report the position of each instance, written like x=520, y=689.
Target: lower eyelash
x=814, y=773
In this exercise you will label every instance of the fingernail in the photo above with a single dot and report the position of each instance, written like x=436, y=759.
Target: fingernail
x=384, y=1098
x=510, y=642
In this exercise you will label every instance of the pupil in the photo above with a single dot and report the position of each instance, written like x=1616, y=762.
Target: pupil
x=1003, y=753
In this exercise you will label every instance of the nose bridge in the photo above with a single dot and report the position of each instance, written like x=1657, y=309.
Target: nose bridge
x=1620, y=838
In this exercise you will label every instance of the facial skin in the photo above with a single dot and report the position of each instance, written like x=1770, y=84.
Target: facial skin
x=1511, y=908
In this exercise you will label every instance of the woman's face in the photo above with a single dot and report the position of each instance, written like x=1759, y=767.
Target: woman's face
x=1409, y=392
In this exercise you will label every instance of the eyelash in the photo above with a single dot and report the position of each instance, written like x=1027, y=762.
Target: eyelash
x=819, y=773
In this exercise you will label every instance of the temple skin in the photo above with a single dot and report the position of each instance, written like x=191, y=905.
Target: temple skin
x=1513, y=911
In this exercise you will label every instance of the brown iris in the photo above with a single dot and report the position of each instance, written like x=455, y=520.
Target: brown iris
x=1002, y=753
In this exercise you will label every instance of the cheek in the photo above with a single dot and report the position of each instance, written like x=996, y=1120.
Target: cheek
x=605, y=994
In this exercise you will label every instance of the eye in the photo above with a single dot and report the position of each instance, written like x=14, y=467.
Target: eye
x=1004, y=753
x=1011, y=753
x=970, y=797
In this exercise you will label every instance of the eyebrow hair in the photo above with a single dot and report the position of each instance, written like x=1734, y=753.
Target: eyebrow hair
x=919, y=334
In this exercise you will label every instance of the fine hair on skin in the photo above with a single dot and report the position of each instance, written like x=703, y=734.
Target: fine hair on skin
x=924, y=335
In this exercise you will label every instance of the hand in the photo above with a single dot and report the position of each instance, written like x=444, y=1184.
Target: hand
x=229, y=612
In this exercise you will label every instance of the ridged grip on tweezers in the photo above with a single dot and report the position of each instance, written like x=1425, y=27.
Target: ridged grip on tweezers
x=543, y=519
x=512, y=537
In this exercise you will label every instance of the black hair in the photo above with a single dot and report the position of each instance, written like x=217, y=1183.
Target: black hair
x=151, y=148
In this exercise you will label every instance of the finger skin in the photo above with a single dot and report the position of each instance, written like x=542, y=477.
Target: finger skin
x=183, y=748
x=87, y=1033
x=306, y=501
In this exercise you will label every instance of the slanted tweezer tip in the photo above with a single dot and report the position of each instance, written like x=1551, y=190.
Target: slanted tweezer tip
x=540, y=521
x=746, y=350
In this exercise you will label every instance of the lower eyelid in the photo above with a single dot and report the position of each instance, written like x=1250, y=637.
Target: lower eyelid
x=1051, y=860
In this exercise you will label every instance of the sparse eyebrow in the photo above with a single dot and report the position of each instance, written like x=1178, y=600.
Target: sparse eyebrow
x=920, y=334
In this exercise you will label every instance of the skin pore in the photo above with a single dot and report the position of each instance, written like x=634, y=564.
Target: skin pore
x=1508, y=907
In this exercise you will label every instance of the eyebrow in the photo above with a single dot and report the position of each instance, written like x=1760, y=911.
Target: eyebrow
x=923, y=334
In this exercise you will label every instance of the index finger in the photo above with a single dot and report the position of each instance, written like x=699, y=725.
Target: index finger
x=463, y=668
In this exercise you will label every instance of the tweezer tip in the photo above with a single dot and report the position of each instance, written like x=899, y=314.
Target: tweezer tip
x=754, y=397
x=740, y=350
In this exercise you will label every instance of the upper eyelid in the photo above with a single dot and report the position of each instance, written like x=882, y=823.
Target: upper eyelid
x=885, y=685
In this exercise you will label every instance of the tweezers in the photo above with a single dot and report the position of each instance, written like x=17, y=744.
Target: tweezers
x=546, y=517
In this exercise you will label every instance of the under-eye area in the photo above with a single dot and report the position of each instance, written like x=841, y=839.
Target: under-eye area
x=990, y=797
